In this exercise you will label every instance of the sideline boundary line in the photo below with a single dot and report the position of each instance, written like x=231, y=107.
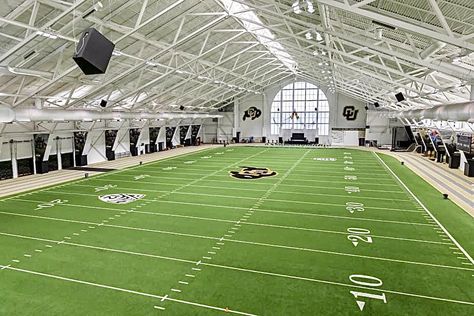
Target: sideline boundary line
x=426, y=210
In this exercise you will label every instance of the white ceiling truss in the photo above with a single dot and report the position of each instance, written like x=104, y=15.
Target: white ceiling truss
x=201, y=54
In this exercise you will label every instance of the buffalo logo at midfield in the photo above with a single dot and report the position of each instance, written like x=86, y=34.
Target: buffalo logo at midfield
x=251, y=173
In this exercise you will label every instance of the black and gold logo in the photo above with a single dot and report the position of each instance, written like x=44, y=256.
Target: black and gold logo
x=251, y=173
x=252, y=113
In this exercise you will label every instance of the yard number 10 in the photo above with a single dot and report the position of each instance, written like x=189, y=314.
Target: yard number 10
x=367, y=281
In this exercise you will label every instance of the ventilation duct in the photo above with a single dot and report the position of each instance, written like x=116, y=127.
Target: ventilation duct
x=8, y=115
x=7, y=70
x=462, y=112
x=432, y=49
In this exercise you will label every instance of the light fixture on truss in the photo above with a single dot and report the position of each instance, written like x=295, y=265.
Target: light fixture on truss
x=300, y=5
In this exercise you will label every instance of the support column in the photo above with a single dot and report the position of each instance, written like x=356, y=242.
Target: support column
x=13, y=159
x=58, y=153
x=33, y=154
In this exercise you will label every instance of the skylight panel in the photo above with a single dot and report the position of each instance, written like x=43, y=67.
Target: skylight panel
x=252, y=24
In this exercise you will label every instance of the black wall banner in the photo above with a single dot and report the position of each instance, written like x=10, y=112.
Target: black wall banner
x=464, y=142
x=154, y=131
x=252, y=113
x=194, y=134
x=134, y=135
x=79, y=143
x=169, y=136
x=110, y=136
x=41, y=141
x=183, y=130
x=6, y=171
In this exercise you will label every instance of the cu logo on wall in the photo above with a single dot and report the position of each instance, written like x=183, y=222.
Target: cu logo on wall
x=350, y=113
x=252, y=113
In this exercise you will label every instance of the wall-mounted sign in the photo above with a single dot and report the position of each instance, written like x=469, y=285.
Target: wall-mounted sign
x=350, y=113
x=252, y=113
x=464, y=142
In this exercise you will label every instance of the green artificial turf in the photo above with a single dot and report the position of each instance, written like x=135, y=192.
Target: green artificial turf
x=201, y=242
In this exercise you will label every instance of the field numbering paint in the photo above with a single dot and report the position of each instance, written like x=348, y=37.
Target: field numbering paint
x=359, y=234
x=50, y=204
x=370, y=281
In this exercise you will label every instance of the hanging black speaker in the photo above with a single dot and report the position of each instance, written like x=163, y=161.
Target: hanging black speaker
x=376, y=104
x=400, y=97
x=93, y=52
x=103, y=103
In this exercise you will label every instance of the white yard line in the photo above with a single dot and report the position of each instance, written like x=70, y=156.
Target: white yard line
x=161, y=176
x=226, y=181
x=199, y=236
x=259, y=210
x=241, y=208
x=236, y=269
x=426, y=210
x=52, y=276
x=245, y=189
x=135, y=253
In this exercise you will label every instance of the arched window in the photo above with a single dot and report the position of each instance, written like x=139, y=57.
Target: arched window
x=300, y=105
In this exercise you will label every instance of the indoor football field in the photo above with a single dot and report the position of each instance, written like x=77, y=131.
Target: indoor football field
x=255, y=230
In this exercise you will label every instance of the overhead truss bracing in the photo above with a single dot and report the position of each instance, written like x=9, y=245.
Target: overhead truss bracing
x=203, y=54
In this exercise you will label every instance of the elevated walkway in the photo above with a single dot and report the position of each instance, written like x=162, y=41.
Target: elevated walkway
x=450, y=181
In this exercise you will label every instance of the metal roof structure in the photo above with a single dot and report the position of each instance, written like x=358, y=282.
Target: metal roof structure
x=200, y=54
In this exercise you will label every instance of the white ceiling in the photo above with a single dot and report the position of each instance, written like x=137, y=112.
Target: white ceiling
x=201, y=53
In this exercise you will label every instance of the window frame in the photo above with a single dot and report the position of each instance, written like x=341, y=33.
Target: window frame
x=305, y=96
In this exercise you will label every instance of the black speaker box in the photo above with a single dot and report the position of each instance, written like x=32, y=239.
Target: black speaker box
x=81, y=160
x=103, y=103
x=376, y=104
x=400, y=97
x=41, y=166
x=93, y=52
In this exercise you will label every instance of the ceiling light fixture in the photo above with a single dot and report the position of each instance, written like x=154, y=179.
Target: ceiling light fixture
x=296, y=7
x=299, y=5
x=319, y=38
x=46, y=34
